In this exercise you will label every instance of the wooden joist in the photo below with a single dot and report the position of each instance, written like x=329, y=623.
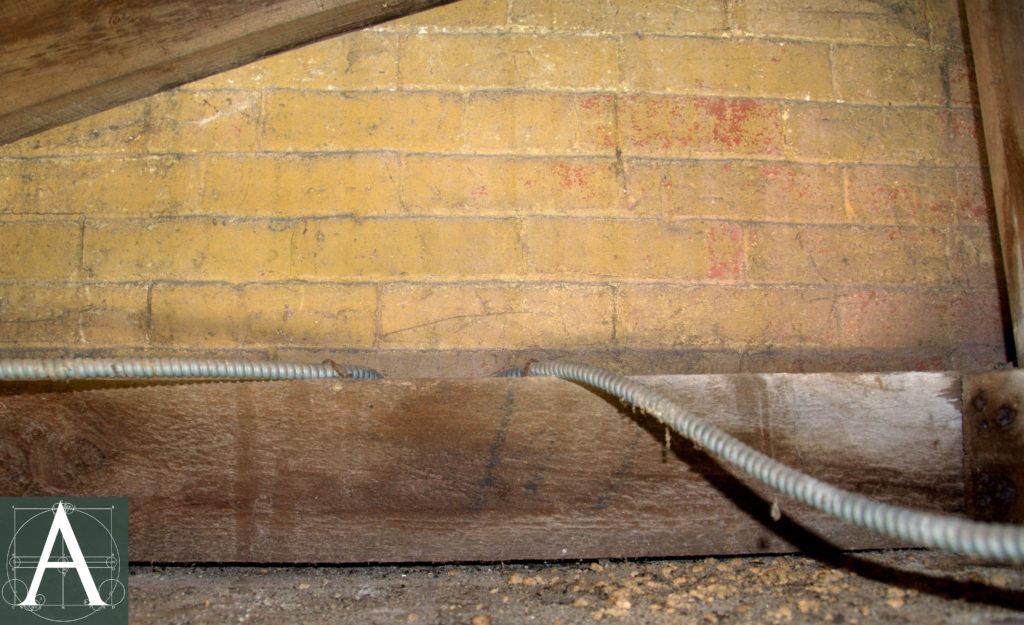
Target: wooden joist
x=485, y=469
x=61, y=60
x=998, y=47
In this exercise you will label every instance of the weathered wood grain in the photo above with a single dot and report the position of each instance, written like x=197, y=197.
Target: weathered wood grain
x=998, y=46
x=61, y=60
x=486, y=469
x=994, y=445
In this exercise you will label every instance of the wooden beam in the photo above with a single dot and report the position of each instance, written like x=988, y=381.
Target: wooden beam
x=61, y=60
x=994, y=445
x=996, y=27
x=486, y=469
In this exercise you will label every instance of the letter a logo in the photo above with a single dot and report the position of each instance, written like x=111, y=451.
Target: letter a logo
x=61, y=526
x=66, y=560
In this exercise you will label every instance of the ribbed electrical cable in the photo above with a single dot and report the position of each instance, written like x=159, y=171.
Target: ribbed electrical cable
x=938, y=531
x=127, y=368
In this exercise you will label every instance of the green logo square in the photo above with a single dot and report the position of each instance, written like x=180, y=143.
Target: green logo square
x=65, y=560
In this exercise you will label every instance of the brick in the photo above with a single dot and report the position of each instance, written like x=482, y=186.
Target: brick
x=523, y=123
x=671, y=16
x=962, y=130
x=788, y=254
x=596, y=122
x=772, y=360
x=564, y=15
x=264, y=314
x=204, y=121
x=760, y=191
x=566, y=63
x=683, y=126
x=540, y=123
x=883, y=75
x=12, y=184
x=984, y=358
x=355, y=61
x=879, y=319
x=248, y=76
x=187, y=249
x=411, y=363
x=958, y=78
x=73, y=314
x=120, y=130
x=621, y=16
x=314, y=121
x=974, y=202
x=114, y=185
x=467, y=186
x=872, y=134
x=637, y=249
x=946, y=23
x=508, y=316
x=459, y=62
x=979, y=321
x=702, y=317
x=459, y=16
x=733, y=67
x=40, y=250
x=176, y=121
x=358, y=60
x=924, y=196
x=834, y=20
x=507, y=186
x=383, y=248
x=179, y=121
x=974, y=252
x=582, y=186
x=482, y=61
x=301, y=185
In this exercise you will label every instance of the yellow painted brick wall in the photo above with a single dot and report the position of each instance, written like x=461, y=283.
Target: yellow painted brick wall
x=680, y=185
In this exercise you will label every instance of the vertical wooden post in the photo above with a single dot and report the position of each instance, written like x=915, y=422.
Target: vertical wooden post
x=996, y=28
x=993, y=435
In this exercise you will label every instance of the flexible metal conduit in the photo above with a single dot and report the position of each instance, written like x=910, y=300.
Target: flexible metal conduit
x=938, y=531
x=126, y=368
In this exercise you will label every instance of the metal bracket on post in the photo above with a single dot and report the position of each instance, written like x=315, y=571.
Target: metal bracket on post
x=994, y=445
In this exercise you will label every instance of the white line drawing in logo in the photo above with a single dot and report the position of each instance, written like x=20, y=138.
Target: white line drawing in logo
x=27, y=573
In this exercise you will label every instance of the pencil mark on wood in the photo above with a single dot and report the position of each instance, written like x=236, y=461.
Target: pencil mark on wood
x=494, y=452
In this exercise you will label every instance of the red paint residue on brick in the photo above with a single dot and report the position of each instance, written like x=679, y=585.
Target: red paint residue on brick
x=960, y=124
x=647, y=111
x=708, y=124
x=724, y=261
x=903, y=235
x=905, y=198
x=792, y=182
x=731, y=119
x=783, y=176
x=971, y=201
x=595, y=103
x=574, y=178
x=960, y=76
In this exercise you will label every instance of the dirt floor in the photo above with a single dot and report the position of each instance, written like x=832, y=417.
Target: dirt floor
x=869, y=587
